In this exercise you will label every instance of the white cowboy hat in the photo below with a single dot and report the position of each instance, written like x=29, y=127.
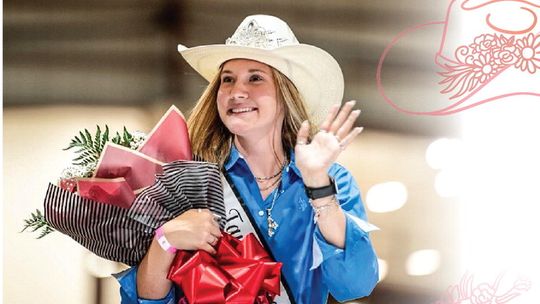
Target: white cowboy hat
x=269, y=40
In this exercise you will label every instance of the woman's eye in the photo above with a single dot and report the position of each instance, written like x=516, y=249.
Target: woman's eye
x=255, y=78
x=226, y=79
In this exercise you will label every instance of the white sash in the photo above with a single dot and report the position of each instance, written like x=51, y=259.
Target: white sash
x=238, y=224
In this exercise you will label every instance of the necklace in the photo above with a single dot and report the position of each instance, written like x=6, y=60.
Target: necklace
x=272, y=225
x=265, y=178
x=271, y=185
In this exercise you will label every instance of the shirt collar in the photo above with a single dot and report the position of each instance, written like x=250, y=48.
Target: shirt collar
x=235, y=155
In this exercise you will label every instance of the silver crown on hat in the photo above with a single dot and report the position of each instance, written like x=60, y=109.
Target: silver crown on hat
x=251, y=34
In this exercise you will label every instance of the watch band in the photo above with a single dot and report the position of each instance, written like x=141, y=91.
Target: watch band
x=163, y=242
x=320, y=192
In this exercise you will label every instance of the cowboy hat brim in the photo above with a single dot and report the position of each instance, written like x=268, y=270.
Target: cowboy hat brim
x=313, y=71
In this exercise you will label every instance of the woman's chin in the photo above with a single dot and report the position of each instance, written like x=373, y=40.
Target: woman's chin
x=252, y=128
x=247, y=131
x=239, y=129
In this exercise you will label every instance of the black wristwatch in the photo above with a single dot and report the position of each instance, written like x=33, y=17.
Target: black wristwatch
x=320, y=192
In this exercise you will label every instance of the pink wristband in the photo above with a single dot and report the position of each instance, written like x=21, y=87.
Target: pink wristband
x=163, y=242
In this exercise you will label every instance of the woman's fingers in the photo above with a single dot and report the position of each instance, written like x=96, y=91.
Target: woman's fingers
x=208, y=248
x=213, y=222
x=214, y=230
x=303, y=133
x=194, y=229
x=342, y=116
x=348, y=139
x=213, y=241
x=208, y=214
x=346, y=127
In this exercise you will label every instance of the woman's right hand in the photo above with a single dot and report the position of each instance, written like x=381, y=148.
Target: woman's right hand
x=192, y=230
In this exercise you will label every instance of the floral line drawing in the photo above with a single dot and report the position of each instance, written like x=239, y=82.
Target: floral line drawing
x=484, y=55
x=484, y=293
x=481, y=61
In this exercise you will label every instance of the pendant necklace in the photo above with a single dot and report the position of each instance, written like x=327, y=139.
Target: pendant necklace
x=272, y=225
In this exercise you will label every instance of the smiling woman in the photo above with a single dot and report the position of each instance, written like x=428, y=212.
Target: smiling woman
x=246, y=98
x=257, y=120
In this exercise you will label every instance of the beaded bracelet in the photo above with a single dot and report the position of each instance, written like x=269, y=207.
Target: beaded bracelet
x=317, y=210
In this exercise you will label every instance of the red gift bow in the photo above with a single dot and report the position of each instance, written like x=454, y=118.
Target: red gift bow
x=122, y=173
x=241, y=272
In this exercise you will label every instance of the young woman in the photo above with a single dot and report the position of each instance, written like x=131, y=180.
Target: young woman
x=257, y=119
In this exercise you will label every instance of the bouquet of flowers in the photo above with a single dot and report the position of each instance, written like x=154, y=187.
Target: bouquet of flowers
x=118, y=192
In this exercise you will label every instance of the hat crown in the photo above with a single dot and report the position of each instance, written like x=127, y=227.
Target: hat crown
x=264, y=32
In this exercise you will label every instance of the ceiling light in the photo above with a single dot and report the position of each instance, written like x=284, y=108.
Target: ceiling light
x=386, y=197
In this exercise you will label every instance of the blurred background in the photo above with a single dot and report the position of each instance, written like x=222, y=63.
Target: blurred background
x=69, y=65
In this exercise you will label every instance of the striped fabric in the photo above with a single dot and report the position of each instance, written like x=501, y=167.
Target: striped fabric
x=124, y=235
x=183, y=185
x=106, y=230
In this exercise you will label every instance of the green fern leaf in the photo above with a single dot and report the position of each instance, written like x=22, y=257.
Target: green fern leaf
x=127, y=137
x=89, y=148
x=104, y=138
x=97, y=138
x=88, y=137
x=37, y=221
x=82, y=140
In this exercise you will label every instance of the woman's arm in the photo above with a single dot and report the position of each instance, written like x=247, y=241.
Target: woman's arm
x=351, y=272
x=315, y=159
x=152, y=282
x=193, y=230
x=331, y=220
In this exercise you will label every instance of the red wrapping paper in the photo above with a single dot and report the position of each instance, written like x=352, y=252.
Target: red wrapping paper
x=169, y=140
x=240, y=272
x=138, y=169
x=122, y=173
x=69, y=184
x=109, y=191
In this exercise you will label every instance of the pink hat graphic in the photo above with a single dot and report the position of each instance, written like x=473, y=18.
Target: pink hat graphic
x=489, y=50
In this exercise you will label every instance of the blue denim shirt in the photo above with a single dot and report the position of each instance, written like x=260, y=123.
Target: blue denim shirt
x=311, y=266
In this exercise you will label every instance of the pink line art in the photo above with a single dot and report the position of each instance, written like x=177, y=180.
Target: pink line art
x=499, y=55
x=507, y=31
x=484, y=3
x=487, y=57
x=484, y=293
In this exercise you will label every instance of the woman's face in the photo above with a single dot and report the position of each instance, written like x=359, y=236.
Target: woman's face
x=246, y=99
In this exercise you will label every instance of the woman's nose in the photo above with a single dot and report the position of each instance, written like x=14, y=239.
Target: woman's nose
x=239, y=90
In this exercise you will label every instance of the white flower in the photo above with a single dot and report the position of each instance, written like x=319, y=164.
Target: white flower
x=137, y=140
x=78, y=171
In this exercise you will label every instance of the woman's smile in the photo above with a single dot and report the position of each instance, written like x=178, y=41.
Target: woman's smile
x=237, y=111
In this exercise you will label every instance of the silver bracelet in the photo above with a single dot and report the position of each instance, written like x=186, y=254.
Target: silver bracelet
x=317, y=210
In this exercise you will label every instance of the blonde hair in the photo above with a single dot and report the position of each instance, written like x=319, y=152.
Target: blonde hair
x=211, y=140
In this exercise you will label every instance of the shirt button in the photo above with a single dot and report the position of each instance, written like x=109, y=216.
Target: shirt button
x=261, y=213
